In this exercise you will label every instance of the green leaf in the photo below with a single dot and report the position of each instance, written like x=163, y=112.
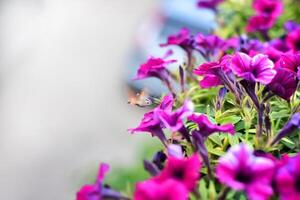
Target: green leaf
x=233, y=140
x=203, y=190
x=215, y=151
x=229, y=119
x=216, y=139
x=212, y=191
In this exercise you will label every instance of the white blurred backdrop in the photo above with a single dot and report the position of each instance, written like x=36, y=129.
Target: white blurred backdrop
x=62, y=101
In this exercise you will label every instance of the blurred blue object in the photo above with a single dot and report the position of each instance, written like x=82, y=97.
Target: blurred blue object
x=168, y=18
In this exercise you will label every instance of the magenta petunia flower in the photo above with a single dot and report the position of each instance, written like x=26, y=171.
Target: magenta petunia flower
x=151, y=122
x=214, y=73
x=290, y=61
x=167, y=190
x=182, y=38
x=206, y=127
x=287, y=179
x=256, y=69
x=98, y=191
x=173, y=120
x=211, y=4
x=155, y=67
x=275, y=49
x=241, y=170
x=284, y=84
x=167, y=103
x=260, y=23
x=184, y=170
x=293, y=39
x=210, y=81
x=93, y=191
x=268, y=8
x=210, y=42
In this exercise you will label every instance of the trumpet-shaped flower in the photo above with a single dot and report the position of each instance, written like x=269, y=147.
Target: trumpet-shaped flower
x=256, y=69
x=93, y=191
x=98, y=191
x=293, y=39
x=206, y=127
x=167, y=190
x=290, y=61
x=284, y=84
x=182, y=38
x=260, y=23
x=151, y=123
x=184, y=170
x=241, y=170
x=154, y=67
x=287, y=179
x=268, y=8
x=214, y=73
x=173, y=120
x=210, y=43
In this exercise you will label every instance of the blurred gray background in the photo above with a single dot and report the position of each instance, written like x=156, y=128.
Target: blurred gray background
x=63, y=104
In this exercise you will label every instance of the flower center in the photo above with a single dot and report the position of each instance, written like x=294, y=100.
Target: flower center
x=268, y=9
x=297, y=184
x=243, y=177
x=297, y=44
x=178, y=174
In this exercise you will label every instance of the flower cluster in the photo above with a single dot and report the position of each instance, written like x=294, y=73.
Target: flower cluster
x=266, y=14
x=228, y=125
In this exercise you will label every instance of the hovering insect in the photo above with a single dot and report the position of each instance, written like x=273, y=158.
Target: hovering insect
x=141, y=99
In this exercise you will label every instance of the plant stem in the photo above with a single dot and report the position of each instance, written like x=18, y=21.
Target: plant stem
x=223, y=193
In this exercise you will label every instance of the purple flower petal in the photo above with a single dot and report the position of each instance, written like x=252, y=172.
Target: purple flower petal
x=241, y=170
x=256, y=69
x=206, y=127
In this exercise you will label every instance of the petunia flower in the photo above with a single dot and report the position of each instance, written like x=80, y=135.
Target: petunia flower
x=206, y=127
x=156, y=67
x=290, y=61
x=275, y=49
x=184, y=170
x=287, y=179
x=268, y=8
x=98, y=191
x=182, y=38
x=260, y=23
x=211, y=4
x=256, y=69
x=211, y=45
x=293, y=39
x=151, y=123
x=173, y=120
x=284, y=84
x=292, y=125
x=214, y=73
x=153, y=190
x=247, y=45
x=240, y=169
